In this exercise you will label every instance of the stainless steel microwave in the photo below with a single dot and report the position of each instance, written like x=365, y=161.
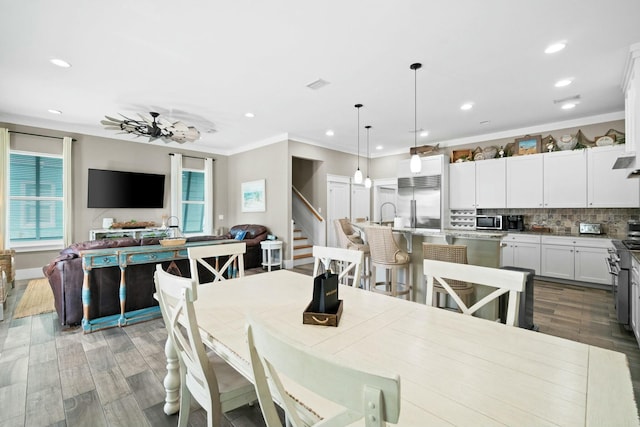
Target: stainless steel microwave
x=490, y=222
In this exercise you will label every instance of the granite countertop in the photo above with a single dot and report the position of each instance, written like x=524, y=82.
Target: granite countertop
x=484, y=234
x=562, y=234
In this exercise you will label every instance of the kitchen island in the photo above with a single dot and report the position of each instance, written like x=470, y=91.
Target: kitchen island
x=483, y=248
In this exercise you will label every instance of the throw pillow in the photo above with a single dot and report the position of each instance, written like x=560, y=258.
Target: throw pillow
x=240, y=235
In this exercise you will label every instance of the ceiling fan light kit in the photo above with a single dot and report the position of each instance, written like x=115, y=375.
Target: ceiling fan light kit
x=153, y=128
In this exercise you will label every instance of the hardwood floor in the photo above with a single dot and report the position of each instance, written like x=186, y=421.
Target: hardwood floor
x=53, y=376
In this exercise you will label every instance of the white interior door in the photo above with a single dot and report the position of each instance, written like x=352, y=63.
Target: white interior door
x=360, y=202
x=337, y=205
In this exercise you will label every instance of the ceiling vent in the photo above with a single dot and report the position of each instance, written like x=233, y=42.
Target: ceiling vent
x=317, y=84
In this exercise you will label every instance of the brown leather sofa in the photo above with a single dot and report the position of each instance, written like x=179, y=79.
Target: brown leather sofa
x=255, y=234
x=65, y=277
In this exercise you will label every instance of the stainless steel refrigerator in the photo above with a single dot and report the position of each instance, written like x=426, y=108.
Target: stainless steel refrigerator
x=420, y=201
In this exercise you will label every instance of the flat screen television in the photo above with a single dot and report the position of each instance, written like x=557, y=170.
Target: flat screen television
x=118, y=189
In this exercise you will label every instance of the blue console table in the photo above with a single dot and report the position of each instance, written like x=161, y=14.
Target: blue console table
x=123, y=257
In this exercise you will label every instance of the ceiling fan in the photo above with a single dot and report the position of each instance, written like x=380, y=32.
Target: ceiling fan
x=154, y=128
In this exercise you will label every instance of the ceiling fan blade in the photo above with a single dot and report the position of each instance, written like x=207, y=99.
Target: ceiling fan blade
x=146, y=119
x=112, y=119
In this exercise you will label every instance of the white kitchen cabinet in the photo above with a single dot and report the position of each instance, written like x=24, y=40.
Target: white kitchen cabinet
x=462, y=185
x=631, y=85
x=575, y=258
x=524, y=181
x=491, y=175
x=591, y=265
x=557, y=261
x=520, y=250
x=565, y=179
x=478, y=185
x=607, y=187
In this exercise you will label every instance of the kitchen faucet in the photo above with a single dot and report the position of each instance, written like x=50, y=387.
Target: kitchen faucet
x=383, y=205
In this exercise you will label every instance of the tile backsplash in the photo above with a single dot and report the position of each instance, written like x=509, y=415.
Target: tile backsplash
x=566, y=221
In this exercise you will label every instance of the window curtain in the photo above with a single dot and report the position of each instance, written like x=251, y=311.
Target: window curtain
x=67, y=188
x=4, y=179
x=208, y=196
x=176, y=188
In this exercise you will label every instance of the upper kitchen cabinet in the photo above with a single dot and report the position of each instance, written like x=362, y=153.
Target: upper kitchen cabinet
x=524, y=181
x=462, y=185
x=478, y=185
x=607, y=187
x=491, y=175
x=565, y=183
x=431, y=165
x=631, y=85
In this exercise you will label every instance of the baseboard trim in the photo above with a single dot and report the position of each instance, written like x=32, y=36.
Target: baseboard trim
x=29, y=273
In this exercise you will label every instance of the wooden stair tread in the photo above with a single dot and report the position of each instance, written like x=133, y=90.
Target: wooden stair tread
x=302, y=247
x=301, y=256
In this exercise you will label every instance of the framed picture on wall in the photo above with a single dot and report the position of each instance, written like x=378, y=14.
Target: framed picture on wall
x=528, y=145
x=253, y=196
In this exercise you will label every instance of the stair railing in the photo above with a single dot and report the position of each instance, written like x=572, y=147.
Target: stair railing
x=306, y=218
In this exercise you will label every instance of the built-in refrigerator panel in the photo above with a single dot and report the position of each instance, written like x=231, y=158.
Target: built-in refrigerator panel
x=420, y=201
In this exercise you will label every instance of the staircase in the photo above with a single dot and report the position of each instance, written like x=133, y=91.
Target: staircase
x=302, y=249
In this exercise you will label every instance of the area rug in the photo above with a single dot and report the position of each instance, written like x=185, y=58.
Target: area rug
x=37, y=299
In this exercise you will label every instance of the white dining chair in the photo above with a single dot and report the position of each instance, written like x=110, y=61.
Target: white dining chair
x=206, y=377
x=363, y=395
x=346, y=263
x=504, y=281
x=208, y=256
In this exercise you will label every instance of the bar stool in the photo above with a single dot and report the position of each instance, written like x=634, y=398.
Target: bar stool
x=348, y=238
x=386, y=254
x=449, y=253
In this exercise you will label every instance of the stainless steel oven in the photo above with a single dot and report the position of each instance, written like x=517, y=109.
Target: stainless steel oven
x=620, y=269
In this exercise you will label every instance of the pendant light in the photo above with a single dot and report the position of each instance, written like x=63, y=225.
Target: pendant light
x=367, y=182
x=357, y=177
x=416, y=164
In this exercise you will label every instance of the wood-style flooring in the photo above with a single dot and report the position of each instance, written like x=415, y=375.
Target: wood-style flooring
x=53, y=376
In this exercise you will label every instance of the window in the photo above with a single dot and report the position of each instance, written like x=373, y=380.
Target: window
x=35, y=199
x=192, y=201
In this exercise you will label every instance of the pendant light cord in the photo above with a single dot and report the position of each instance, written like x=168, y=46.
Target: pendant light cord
x=358, y=106
x=358, y=136
x=415, y=108
x=415, y=67
x=368, y=158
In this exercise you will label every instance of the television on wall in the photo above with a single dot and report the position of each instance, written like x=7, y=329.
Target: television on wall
x=119, y=189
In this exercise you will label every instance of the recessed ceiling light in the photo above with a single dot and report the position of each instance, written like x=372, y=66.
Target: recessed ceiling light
x=568, y=106
x=60, y=63
x=563, y=83
x=249, y=115
x=52, y=111
x=424, y=133
x=329, y=132
x=555, y=47
x=379, y=147
x=466, y=106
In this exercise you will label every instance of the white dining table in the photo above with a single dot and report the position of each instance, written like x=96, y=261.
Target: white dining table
x=455, y=370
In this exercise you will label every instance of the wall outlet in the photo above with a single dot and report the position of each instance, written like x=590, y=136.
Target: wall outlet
x=220, y=217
